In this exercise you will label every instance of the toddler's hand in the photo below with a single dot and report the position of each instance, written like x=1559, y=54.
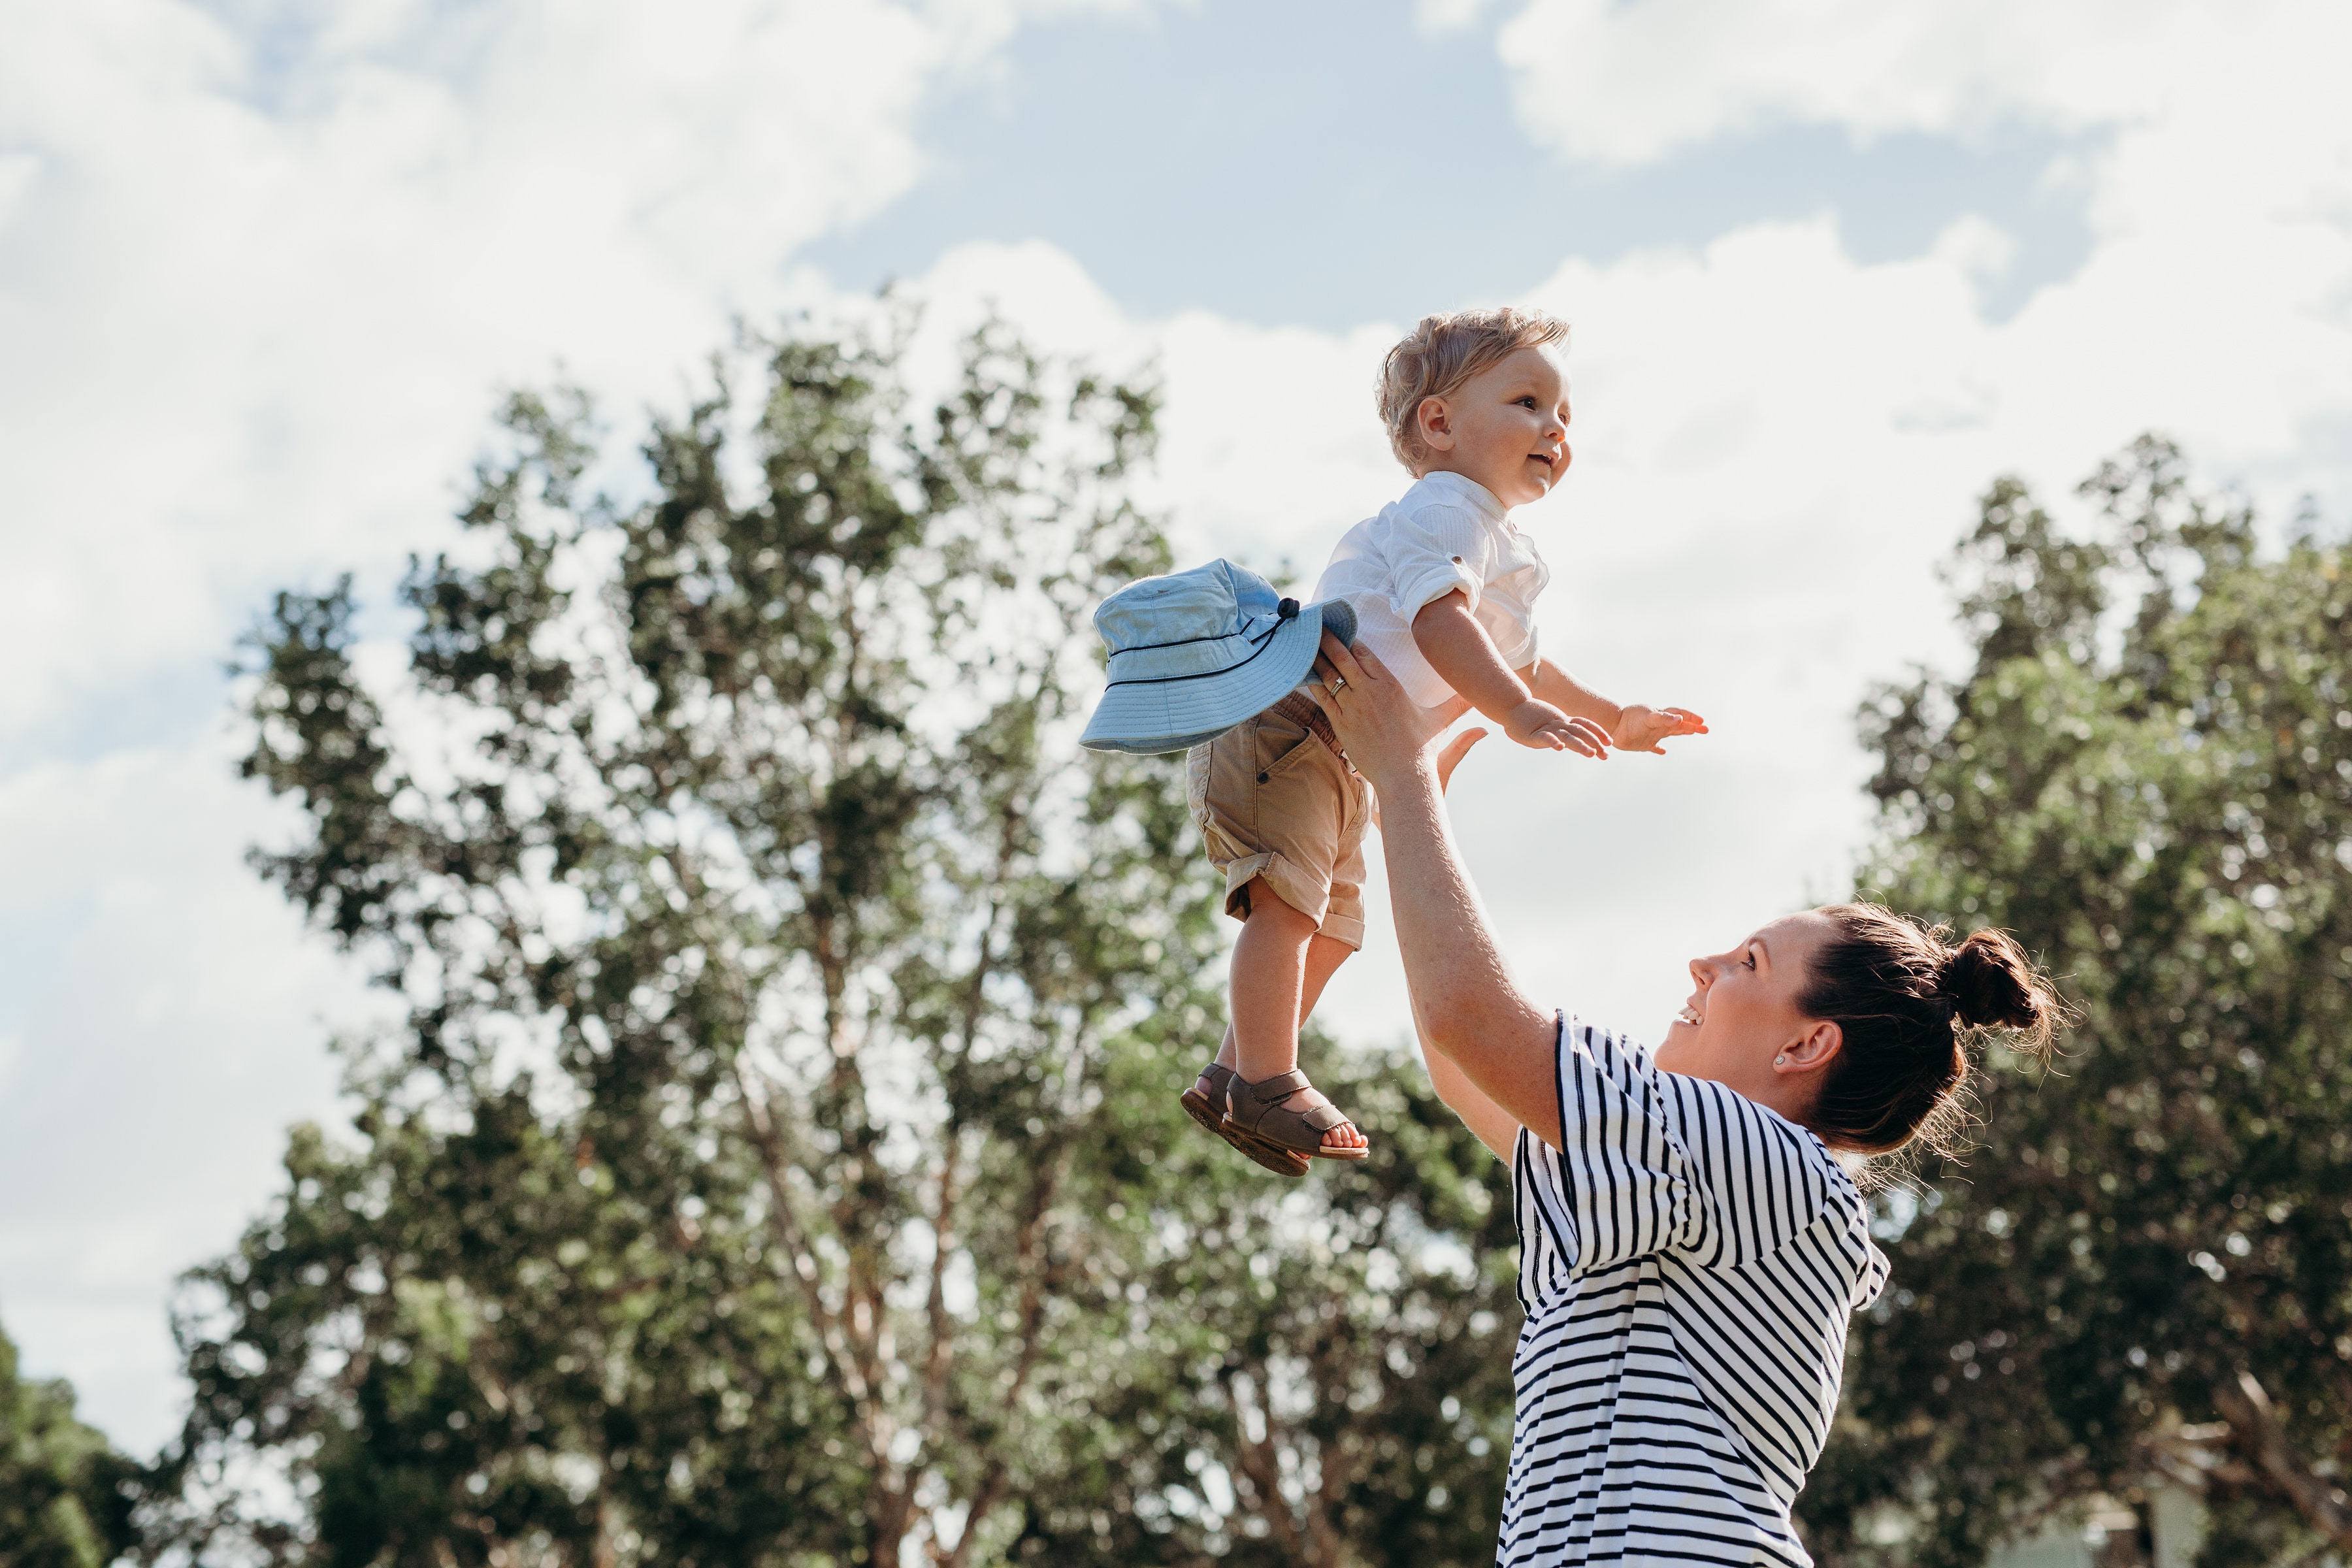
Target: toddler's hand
x=1547, y=729
x=1640, y=729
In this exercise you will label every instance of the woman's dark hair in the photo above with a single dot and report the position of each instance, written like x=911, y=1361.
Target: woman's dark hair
x=1912, y=1006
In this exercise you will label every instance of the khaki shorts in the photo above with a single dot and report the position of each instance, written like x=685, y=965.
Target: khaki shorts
x=1275, y=802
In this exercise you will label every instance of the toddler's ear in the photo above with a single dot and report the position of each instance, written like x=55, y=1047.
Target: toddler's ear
x=1436, y=423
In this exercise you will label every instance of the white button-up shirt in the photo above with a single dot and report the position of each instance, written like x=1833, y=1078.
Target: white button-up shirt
x=1445, y=532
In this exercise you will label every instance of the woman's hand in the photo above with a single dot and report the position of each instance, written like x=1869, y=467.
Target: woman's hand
x=1467, y=1006
x=1455, y=750
x=1384, y=733
x=1447, y=760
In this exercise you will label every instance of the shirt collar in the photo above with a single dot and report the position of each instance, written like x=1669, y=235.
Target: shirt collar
x=1464, y=490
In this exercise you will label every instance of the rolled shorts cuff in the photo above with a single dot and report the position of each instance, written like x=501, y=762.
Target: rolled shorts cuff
x=1293, y=887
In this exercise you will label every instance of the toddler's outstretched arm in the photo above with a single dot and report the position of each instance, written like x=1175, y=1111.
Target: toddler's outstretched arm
x=1459, y=649
x=1633, y=728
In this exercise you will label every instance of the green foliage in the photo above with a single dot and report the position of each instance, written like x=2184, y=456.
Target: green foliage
x=2143, y=1276
x=780, y=1161
x=65, y=1493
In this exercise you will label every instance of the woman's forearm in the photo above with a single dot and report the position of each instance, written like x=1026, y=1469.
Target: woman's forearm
x=1492, y=1125
x=1470, y=1009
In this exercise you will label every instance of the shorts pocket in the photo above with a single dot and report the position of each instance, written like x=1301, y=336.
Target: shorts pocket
x=1281, y=746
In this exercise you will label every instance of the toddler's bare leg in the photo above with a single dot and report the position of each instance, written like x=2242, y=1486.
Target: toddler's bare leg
x=1324, y=957
x=1281, y=965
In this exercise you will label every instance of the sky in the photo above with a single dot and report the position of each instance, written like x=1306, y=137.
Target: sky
x=1831, y=266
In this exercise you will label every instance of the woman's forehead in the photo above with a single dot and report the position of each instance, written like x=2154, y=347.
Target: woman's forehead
x=1792, y=932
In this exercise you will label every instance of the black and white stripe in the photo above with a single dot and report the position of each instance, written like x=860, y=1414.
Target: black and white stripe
x=1688, y=1262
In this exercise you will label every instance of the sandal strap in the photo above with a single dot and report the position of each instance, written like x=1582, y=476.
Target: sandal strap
x=1275, y=1089
x=1323, y=1118
x=1258, y=1108
x=1219, y=1075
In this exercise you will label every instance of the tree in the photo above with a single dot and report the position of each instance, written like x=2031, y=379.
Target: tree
x=778, y=1162
x=2142, y=1276
x=64, y=1497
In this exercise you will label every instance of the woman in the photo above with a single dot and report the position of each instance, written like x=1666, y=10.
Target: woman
x=1690, y=1247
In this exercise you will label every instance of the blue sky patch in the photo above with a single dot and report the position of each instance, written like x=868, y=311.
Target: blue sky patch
x=1326, y=164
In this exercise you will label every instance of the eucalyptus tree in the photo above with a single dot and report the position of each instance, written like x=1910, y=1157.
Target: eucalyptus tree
x=777, y=1161
x=2143, y=1278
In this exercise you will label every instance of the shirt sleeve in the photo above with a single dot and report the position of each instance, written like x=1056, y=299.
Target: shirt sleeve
x=1430, y=552
x=1652, y=1162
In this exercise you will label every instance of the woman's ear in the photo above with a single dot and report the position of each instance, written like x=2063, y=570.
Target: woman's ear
x=1813, y=1051
x=1436, y=423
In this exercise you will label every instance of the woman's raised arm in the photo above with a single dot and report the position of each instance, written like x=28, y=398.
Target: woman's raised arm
x=1469, y=1008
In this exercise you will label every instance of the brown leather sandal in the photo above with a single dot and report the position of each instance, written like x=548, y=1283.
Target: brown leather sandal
x=1209, y=1111
x=1256, y=1111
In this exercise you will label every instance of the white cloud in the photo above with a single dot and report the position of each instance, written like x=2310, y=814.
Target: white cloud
x=171, y=1021
x=255, y=307
x=1628, y=84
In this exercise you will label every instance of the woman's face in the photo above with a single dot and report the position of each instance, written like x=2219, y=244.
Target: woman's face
x=1743, y=1012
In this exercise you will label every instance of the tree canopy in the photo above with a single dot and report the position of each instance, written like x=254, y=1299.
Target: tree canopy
x=779, y=1162
x=2143, y=1277
x=65, y=1494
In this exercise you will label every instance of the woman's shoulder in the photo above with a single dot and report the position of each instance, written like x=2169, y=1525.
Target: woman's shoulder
x=1741, y=1151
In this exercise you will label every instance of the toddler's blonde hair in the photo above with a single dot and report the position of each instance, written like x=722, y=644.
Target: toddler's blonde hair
x=1438, y=358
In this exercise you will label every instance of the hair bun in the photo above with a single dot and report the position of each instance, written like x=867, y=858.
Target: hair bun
x=1991, y=983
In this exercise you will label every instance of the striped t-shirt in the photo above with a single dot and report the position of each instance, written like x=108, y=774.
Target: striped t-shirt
x=1688, y=1263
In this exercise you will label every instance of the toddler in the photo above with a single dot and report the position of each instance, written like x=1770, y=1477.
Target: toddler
x=1442, y=587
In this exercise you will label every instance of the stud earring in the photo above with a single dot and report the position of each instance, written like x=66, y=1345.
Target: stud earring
x=1780, y=1061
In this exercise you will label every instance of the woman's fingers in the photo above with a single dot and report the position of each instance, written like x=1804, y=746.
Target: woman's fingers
x=1377, y=723
x=1455, y=750
x=1339, y=659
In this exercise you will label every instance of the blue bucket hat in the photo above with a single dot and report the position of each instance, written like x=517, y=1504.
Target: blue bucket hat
x=1195, y=653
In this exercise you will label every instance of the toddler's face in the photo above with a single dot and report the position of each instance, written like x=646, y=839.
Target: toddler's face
x=1507, y=428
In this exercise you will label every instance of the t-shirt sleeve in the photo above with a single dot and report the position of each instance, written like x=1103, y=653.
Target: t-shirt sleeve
x=1430, y=552
x=1653, y=1161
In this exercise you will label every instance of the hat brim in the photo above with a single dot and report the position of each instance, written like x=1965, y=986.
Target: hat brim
x=1177, y=715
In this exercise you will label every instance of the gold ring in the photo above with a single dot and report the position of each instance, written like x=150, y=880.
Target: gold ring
x=1339, y=683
